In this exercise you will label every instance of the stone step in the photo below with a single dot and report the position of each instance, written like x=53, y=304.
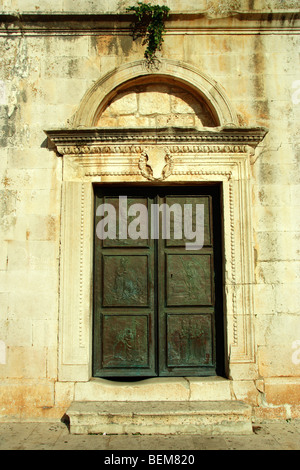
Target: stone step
x=156, y=389
x=193, y=417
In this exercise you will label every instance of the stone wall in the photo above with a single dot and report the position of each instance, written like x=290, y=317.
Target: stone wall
x=43, y=78
x=156, y=105
x=214, y=7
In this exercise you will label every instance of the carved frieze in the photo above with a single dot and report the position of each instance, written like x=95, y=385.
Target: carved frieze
x=151, y=154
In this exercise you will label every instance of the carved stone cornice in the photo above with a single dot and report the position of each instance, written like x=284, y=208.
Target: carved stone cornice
x=186, y=22
x=103, y=141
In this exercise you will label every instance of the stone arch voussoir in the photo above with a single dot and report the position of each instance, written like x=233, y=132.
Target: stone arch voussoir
x=179, y=73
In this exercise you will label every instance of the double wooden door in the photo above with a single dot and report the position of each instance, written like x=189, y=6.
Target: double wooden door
x=157, y=303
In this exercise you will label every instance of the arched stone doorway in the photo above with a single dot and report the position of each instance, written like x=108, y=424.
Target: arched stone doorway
x=212, y=150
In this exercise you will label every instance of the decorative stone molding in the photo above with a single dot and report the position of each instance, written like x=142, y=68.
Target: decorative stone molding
x=46, y=23
x=228, y=139
x=96, y=99
x=144, y=156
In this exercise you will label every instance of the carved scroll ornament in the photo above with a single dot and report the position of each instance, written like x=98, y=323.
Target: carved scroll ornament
x=155, y=164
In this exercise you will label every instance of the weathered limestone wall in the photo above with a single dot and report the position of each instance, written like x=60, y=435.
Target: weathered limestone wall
x=43, y=78
x=95, y=6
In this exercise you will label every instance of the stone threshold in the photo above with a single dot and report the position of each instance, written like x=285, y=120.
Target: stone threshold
x=205, y=418
x=155, y=389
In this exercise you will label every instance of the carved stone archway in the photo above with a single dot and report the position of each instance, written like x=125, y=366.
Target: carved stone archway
x=102, y=155
x=191, y=78
x=108, y=156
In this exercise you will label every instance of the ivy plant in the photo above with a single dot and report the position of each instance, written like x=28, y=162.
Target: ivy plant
x=150, y=24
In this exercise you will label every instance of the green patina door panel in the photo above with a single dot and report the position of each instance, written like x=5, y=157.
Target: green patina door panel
x=186, y=297
x=157, y=311
x=124, y=296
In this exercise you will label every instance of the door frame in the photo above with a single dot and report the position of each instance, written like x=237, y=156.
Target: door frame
x=96, y=156
x=213, y=191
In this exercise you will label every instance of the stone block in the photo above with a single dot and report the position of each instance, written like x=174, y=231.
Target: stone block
x=295, y=196
x=173, y=46
x=154, y=103
x=275, y=218
x=17, y=332
x=133, y=121
x=169, y=120
x=276, y=174
x=281, y=391
x=55, y=92
x=183, y=103
x=31, y=159
x=40, y=202
x=21, y=399
x=287, y=296
x=125, y=103
x=277, y=359
x=44, y=333
x=108, y=62
x=3, y=255
x=70, y=68
x=51, y=358
x=4, y=153
x=295, y=412
x=40, y=305
x=36, y=228
x=246, y=391
x=74, y=46
x=40, y=255
x=64, y=393
x=209, y=389
x=169, y=389
x=204, y=418
x=274, y=246
x=24, y=282
x=107, y=121
x=145, y=390
x=275, y=195
x=26, y=362
x=33, y=5
x=263, y=324
x=247, y=371
x=264, y=299
x=30, y=179
x=274, y=272
x=38, y=116
x=270, y=413
x=278, y=338
x=4, y=305
x=84, y=5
